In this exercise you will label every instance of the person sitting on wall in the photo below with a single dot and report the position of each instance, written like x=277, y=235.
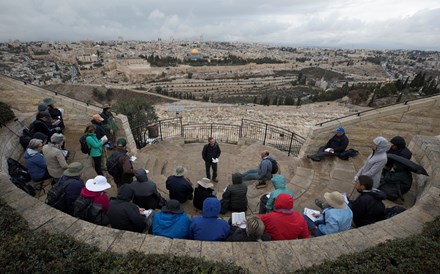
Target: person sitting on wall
x=263, y=173
x=202, y=191
x=285, y=223
x=337, y=217
x=180, y=188
x=254, y=231
x=209, y=227
x=171, y=221
x=396, y=182
x=235, y=196
x=335, y=146
x=368, y=207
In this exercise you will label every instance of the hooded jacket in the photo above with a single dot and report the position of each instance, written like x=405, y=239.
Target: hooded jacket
x=279, y=183
x=368, y=208
x=123, y=214
x=236, y=194
x=35, y=164
x=98, y=198
x=209, y=227
x=145, y=191
x=375, y=162
x=171, y=225
x=284, y=223
x=401, y=150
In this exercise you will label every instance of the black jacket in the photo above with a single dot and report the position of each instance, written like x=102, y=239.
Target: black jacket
x=236, y=194
x=145, y=191
x=71, y=192
x=200, y=194
x=338, y=143
x=100, y=131
x=401, y=150
x=210, y=152
x=368, y=208
x=125, y=215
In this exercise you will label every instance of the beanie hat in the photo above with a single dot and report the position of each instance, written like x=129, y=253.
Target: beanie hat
x=122, y=142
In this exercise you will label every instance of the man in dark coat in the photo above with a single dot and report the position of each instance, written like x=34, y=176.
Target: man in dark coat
x=72, y=177
x=125, y=165
x=398, y=147
x=145, y=191
x=335, y=146
x=368, y=207
x=180, y=187
x=125, y=215
x=234, y=198
x=210, y=154
x=55, y=114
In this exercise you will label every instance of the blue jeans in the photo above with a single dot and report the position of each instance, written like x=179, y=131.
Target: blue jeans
x=311, y=224
x=251, y=174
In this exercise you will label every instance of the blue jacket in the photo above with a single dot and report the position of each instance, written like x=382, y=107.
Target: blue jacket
x=279, y=183
x=335, y=220
x=171, y=225
x=180, y=189
x=265, y=169
x=209, y=227
x=35, y=164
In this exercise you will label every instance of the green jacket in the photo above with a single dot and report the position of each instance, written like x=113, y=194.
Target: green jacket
x=94, y=144
x=109, y=123
x=279, y=183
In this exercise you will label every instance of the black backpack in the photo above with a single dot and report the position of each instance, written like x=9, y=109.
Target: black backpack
x=348, y=153
x=55, y=196
x=25, y=138
x=85, y=209
x=84, y=146
x=274, y=165
x=393, y=211
x=20, y=176
x=113, y=166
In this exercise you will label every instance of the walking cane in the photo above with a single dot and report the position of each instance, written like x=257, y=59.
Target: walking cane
x=351, y=194
x=4, y=125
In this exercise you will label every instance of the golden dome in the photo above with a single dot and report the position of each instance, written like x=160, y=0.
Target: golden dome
x=194, y=51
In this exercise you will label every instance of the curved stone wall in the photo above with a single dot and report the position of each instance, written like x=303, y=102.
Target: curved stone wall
x=275, y=257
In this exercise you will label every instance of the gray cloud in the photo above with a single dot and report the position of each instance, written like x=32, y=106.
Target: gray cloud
x=336, y=23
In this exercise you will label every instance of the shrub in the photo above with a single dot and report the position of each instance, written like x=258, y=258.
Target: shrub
x=6, y=113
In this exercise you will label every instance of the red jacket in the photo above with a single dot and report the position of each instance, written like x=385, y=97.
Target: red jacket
x=284, y=223
x=98, y=198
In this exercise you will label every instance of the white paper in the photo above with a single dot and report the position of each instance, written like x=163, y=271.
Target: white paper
x=310, y=212
x=133, y=158
x=329, y=150
x=148, y=212
x=214, y=160
x=239, y=219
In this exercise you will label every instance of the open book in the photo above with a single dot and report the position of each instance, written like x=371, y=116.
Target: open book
x=239, y=219
x=310, y=212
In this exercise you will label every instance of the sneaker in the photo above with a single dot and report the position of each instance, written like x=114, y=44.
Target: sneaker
x=261, y=184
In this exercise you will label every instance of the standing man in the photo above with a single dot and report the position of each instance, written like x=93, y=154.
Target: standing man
x=210, y=154
x=119, y=164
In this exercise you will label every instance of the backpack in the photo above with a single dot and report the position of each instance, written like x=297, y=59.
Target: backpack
x=25, y=138
x=348, y=153
x=20, y=176
x=55, y=196
x=274, y=165
x=85, y=209
x=113, y=166
x=84, y=146
x=393, y=211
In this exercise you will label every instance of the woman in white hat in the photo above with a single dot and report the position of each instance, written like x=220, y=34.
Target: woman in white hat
x=202, y=191
x=95, y=188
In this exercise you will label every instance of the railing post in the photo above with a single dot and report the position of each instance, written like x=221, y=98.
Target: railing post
x=240, y=131
x=160, y=130
x=181, y=128
x=290, y=145
x=265, y=134
x=211, y=131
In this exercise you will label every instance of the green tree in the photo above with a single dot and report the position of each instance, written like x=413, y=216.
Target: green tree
x=138, y=111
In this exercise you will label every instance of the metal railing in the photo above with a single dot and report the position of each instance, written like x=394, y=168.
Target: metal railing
x=271, y=135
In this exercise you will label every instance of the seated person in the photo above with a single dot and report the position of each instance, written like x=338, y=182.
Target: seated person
x=263, y=173
x=34, y=160
x=368, y=207
x=72, y=177
x=335, y=218
x=125, y=215
x=267, y=203
x=202, y=191
x=54, y=156
x=180, y=187
x=398, y=147
x=171, y=221
x=43, y=124
x=254, y=231
x=209, y=227
x=335, y=146
x=234, y=198
x=95, y=188
x=285, y=223
x=145, y=191
x=396, y=181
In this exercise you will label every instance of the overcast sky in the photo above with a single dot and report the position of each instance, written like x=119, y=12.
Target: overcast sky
x=378, y=24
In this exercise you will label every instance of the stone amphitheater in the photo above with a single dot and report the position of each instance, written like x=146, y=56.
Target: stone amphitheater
x=417, y=121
